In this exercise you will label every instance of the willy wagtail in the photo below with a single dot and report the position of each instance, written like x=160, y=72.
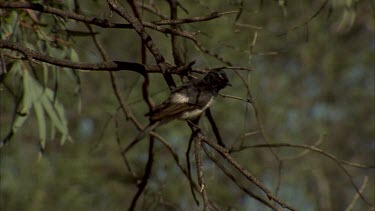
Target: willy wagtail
x=186, y=102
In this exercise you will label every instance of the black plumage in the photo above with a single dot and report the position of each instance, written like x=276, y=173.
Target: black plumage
x=186, y=102
x=191, y=99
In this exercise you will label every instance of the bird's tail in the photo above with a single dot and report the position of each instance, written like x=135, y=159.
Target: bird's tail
x=141, y=135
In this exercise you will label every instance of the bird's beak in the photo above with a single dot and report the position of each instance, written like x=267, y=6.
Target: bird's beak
x=228, y=84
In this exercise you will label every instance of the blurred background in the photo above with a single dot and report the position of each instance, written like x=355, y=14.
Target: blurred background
x=312, y=83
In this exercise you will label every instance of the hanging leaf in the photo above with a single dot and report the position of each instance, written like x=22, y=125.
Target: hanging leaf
x=35, y=92
x=40, y=116
x=45, y=74
x=53, y=108
x=75, y=76
x=74, y=55
x=23, y=108
x=42, y=99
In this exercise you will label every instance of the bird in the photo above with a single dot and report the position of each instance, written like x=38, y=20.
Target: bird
x=186, y=102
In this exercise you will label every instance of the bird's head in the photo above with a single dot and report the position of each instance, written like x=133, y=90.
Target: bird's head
x=216, y=79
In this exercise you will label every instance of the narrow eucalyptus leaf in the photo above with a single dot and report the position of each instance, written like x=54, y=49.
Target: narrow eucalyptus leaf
x=40, y=116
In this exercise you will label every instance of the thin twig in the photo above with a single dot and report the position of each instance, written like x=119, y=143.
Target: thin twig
x=147, y=40
x=337, y=161
x=126, y=162
x=146, y=175
x=104, y=23
x=187, y=155
x=225, y=153
x=234, y=179
x=214, y=127
x=356, y=196
x=316, y=13
x=194, y=19
x=198, y=158
x=308, y=147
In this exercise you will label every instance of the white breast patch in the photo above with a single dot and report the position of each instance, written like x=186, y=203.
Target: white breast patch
x=179, y=98
x=194, y=114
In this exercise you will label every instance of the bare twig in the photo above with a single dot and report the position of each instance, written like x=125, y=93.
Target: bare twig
x=33, y=56
x=235, y=98
x=152, y=9
x=234, y=179
x=126, y=162
x=337, y=161
x=193, y=19
x=356, y=196
x=104, y=23
x=225, y=153
x=245, y=25
x=187, y=155
x=312, y=148
x=176, y=50
x=316, y=13
x=214, y=127
x=198, y=158
x=147, y=40
x=244, y=172
x=103, y=66
x=146, y=175
x=306, y=151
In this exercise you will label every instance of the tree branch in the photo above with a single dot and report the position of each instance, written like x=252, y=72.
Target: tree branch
x=198, y=159
x=147, y=40
x=312, y=148
x=234, y=179
x=193, y=19
x=102, y=66
x=224, y=152
x=104, y=23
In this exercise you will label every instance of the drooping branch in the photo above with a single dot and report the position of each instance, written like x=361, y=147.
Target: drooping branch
x=102, y=66
x=235, y=180
x=104, y=23
x=198, y=159
x=340, y=163
x=225, y=153
x=61, y=13
x=193, y=19
x=307, y=147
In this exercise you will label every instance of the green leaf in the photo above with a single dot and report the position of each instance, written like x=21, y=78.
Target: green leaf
x=23, y=108
x=54, y=111
x=16, y=69
x=35, y=92
x=56, y=52
x=73, y=74
x=40, y=116
x=42, y=99
x=29, y=45
x=74, y=55
x=45, y=73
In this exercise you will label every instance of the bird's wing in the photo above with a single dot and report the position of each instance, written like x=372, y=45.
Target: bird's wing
x=177, y=96
x=182, y=99
x=171, y=111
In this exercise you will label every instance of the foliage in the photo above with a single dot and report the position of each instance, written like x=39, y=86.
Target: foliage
x=312, y=84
